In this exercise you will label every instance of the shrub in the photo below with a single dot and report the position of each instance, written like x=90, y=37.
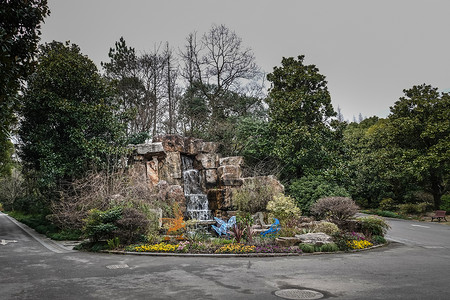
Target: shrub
x=372, y=226
x=99, y=224
x=253, y=196
x=132, y=225
x=413, y=208
x=283, y=207
x=378, y=239
x=334, y=208
x=331, y=247
x=387, y=204
x=308, y=189
x=326, y=227
x=307, y=248
x=445, y=203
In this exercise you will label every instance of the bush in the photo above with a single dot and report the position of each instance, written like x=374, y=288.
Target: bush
x=378, y=239
x=308, y=189
x=414, y=208
x=326, y=227
x=445, y=202
x=307, y=248
x=253, y=196
x=334, y=208
x=331, y=247
x=387, y=204
x=372, y=226
x=284, y=208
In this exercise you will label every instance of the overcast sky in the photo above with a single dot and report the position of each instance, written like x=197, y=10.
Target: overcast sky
x=368, y=50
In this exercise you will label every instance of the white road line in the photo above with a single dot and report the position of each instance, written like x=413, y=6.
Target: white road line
x=420, y=226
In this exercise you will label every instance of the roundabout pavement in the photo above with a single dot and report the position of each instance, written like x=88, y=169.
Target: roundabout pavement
x=415, y=265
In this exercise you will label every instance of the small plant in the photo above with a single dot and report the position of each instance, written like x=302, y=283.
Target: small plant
x=372, y=225
x=307, y=248
x=330, y=247
x=236, y=248
x=283, y=208
x=113, y=243
x=253, y=196
x=334, y=208
x=387, y=204
x=326, y=227
x=355, y=244
x=378, y=239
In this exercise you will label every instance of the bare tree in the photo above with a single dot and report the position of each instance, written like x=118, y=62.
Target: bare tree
x=171, y=75
x=219, y=66
x=151, y=68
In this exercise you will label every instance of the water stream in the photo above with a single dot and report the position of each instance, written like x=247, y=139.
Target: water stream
x=196, y=200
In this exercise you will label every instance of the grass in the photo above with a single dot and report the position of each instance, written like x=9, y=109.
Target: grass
x=384, y=213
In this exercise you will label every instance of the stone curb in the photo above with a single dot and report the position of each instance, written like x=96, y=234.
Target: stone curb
x=236, y=255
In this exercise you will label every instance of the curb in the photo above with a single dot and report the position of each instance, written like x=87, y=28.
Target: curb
x=40, y=238
x=119, y=252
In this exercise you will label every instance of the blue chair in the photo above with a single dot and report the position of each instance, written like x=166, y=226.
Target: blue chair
x=274, y=228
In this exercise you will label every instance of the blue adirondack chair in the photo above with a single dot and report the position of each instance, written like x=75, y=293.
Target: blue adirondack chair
x=274, y=228
x=223, y=227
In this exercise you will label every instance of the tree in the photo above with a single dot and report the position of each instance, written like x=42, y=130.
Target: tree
x=419, y=125
x=123, y=72
x=70, y=124
x=19, y=35
x=220, y=68
x=301, y=117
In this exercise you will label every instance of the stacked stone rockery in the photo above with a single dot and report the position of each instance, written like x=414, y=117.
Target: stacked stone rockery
x=169, y=157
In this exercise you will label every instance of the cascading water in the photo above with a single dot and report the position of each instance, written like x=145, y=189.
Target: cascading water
x=196, y=200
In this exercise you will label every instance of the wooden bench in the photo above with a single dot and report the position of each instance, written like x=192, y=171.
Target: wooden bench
x=439, y=215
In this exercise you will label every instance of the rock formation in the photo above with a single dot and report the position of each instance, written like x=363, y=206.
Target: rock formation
x=175, y=163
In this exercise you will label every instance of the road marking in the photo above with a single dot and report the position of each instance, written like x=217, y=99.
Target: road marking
x=112, y=267
x=420, y=226
x=4, y=242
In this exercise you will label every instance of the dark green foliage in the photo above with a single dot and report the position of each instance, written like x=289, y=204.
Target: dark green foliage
x=301, y=118
x=69, y=120
x=383, y=213
x=378, y=239
x=100, y=225
x=307, y=248
x=387, y=204
x=138, y=138
x=373, y=226
x=445, y=203
x=331, y=247
x=19, y=36
x=308, y=189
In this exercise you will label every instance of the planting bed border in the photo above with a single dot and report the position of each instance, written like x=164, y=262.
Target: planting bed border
x=224, y=255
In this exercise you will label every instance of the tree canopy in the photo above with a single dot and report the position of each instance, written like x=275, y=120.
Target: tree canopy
x=69, y=116
x=19, y=35
x=301, y=117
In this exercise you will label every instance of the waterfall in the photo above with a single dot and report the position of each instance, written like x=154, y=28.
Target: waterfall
x=196, y=200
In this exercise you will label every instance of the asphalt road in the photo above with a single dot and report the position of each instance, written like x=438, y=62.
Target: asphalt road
x=415, y=266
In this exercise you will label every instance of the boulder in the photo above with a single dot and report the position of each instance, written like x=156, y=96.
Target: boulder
x=232, y=160
x=231, y=171
x=209, y=147
x=152, y=149
x=206, y=160
x=170, y=168
x=317, y=239
x=171, y=142
x=221, y=199
x=209, y=178
x=286, y=241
